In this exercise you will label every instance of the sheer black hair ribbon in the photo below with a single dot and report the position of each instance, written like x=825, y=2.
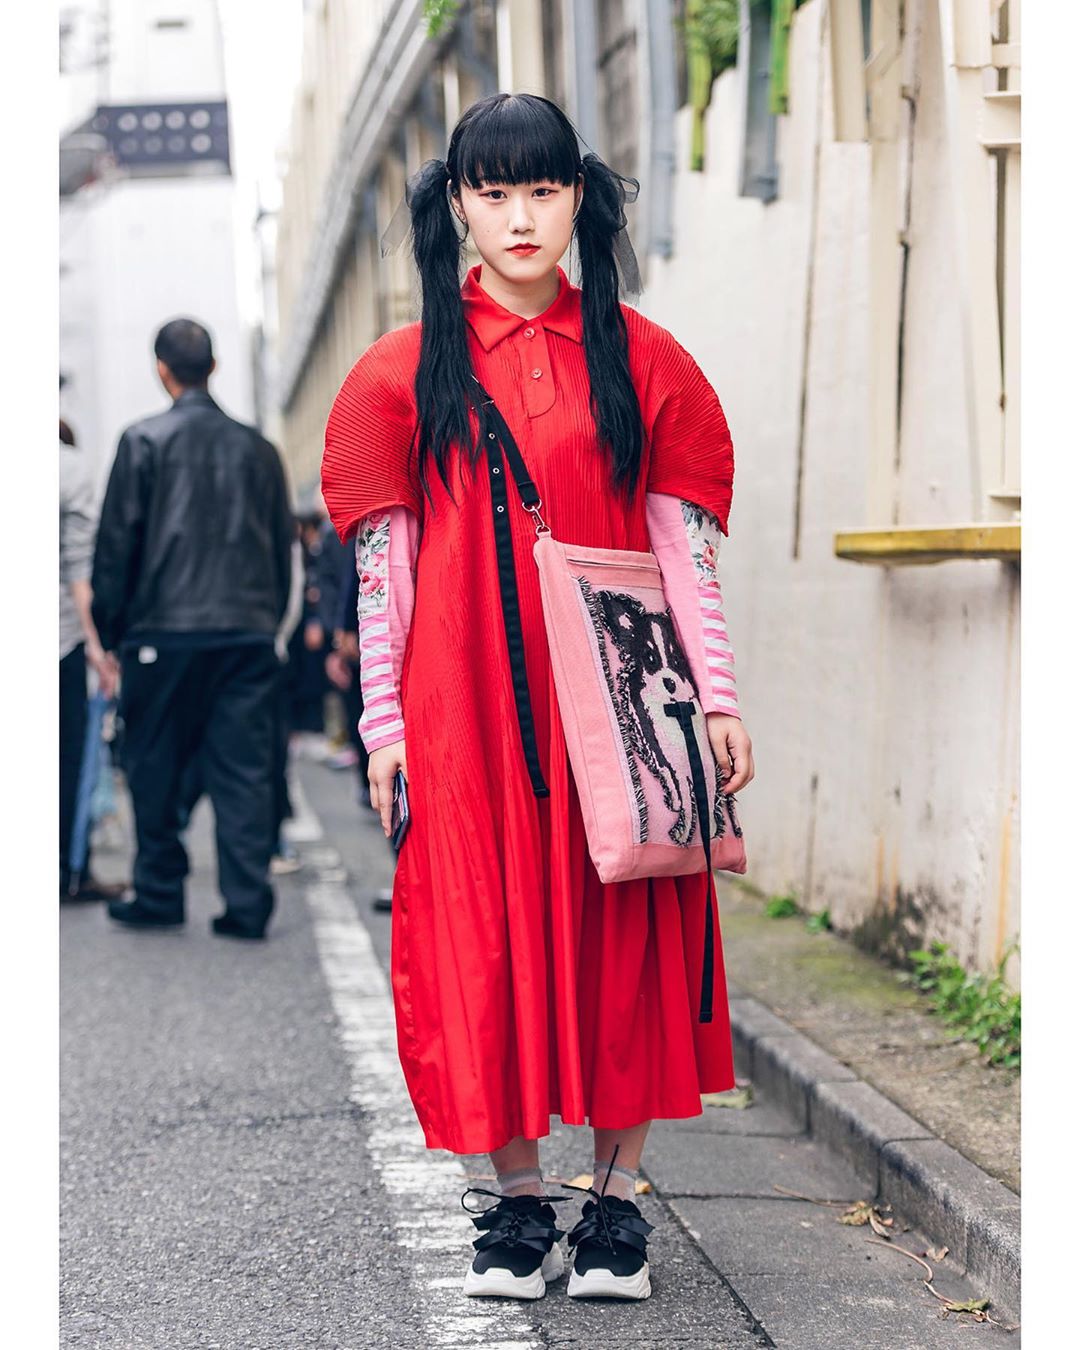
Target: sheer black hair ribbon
x=433, y=176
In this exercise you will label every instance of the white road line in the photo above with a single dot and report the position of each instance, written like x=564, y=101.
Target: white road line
x=423, y=1186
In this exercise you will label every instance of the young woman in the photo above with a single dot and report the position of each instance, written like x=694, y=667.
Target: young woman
x=523, y=986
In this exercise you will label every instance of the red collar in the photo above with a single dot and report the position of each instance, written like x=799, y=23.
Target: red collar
x=491, y=323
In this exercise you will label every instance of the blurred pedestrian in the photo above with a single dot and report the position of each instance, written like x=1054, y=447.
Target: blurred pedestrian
x=80, y=647
x=285, y=858
x=307, y=676
x=343, y=665
x=191, y=581
x=332, y=565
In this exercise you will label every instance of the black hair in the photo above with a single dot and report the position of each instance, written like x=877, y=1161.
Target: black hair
x=185, y=347
x=519, y=138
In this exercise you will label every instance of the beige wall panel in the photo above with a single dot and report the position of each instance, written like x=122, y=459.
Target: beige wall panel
x=881, y=704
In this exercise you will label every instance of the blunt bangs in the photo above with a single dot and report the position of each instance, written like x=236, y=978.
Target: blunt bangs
x=515, y=138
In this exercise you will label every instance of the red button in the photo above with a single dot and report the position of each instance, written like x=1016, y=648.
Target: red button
x=530, y=332
x=536, y=374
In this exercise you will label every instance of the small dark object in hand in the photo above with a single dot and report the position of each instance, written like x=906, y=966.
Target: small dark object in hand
x=399, y=817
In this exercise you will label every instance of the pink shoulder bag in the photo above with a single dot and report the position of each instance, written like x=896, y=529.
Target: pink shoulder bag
x=649, y=787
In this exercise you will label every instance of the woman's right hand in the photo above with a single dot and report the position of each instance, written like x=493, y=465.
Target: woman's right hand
x=383, y=765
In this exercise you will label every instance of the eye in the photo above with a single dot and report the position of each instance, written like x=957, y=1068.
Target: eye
x=544, y=192
x=494, y=194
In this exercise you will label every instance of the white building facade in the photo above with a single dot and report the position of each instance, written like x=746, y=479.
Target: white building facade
x=829, y=223
x=146, y=217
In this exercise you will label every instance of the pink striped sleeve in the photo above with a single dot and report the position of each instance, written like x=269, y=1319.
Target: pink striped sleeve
x=386, y=545
x=686, y=539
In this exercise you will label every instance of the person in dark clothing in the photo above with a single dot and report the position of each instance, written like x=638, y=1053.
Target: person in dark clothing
x=79, y=647
x=190, y=582
x=307, y=677
x=343, y=663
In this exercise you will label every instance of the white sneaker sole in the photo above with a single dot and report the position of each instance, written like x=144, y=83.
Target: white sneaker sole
x=606, y=1284
x=498, y=1282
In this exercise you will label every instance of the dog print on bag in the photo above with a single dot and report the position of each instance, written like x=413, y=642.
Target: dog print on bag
x=646, y=668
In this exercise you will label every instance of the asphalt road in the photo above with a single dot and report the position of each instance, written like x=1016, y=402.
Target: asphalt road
x=241, y=1168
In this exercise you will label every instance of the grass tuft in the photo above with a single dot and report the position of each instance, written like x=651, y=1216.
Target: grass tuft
x=981, y=1008
x=780, y=907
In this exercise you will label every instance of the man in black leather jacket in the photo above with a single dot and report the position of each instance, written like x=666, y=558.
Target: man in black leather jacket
x=190, y=581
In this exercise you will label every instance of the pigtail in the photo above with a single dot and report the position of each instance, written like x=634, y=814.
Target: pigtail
x=444, y=370
x=600, y=225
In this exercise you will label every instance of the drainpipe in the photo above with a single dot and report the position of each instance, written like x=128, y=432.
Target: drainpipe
x=660, y=187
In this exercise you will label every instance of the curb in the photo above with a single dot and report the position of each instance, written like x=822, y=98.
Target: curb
x=928, y=1183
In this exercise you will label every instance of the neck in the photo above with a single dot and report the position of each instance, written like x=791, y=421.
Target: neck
x=528, y=298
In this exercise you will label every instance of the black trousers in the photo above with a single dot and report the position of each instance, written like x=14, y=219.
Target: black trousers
x=193, y=781
x=216, y=705
x=72, y=736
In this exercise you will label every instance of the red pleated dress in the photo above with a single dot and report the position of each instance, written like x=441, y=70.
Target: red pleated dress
x=524, y=987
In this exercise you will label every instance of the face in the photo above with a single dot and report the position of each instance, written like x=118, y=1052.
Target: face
x=521, y=230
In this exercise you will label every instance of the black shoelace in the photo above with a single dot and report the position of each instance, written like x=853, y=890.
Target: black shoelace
x=603, y=1226
x=513, y=1225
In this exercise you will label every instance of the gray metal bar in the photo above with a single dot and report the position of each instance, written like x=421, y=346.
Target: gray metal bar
x=582, y=24
x=659, y=52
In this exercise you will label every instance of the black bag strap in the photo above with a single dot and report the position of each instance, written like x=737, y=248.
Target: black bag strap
x=499, y=445
x=684, y=714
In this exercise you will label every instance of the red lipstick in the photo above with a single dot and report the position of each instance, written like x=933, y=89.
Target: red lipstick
x=525, y=250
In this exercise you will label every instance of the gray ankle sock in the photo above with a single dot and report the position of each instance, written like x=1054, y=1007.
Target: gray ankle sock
x=523, y=1181
x=620, y=1184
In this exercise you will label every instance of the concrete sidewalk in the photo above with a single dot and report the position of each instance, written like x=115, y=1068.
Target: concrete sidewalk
x=803, y=1278
x=858, y=1059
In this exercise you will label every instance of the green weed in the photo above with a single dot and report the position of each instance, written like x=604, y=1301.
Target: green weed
x=821, y=922
x=781, y=907
x=980, y=1008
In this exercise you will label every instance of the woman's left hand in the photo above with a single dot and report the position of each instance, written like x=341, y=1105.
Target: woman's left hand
x=732, y=750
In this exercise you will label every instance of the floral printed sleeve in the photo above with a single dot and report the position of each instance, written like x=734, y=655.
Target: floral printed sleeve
x=686, y=540
x=386, y=544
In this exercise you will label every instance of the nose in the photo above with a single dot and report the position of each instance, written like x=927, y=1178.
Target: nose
x=520, y=214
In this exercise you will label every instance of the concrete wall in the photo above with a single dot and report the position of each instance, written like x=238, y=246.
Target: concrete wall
x=882, y=702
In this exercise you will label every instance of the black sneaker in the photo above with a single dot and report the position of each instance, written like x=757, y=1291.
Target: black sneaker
x=609, y=1245
x=518, y=1251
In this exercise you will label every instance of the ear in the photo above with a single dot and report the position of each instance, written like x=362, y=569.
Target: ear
x=579, y=192
x=213, y=367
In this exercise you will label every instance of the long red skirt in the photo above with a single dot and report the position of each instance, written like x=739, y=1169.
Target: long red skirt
x=524, y=987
